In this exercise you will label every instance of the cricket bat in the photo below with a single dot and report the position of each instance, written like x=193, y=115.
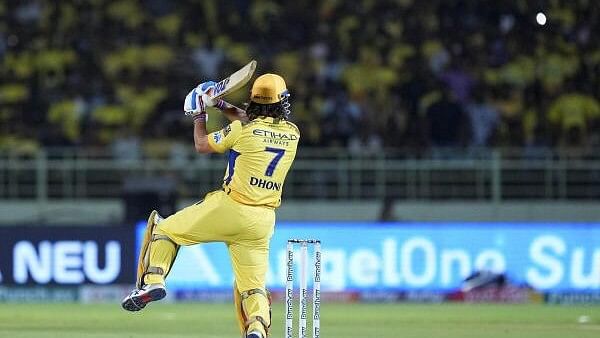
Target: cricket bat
x=234, y=81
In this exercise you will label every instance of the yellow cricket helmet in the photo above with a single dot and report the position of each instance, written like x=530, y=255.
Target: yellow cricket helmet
x=268, y=88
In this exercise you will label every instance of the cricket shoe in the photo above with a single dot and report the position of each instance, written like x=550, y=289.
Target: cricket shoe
x=139, y=298
x=254, y=334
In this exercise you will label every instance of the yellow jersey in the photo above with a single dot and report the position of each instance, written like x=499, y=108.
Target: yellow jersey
x=261, y=153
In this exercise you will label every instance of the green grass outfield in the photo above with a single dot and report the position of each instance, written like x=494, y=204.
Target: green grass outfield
x=338, y=321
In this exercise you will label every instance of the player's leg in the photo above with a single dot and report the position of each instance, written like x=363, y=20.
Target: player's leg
x=152, y=243
x=252, y=300
x=240, y=311
x=202, y=222
x=249, y=257
x=194, y=224
x=156, y=256
x=160, y=258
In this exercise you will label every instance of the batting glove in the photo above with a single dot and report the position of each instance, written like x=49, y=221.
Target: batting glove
x=197, y=100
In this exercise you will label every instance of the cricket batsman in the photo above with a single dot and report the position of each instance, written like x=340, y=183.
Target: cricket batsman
x=262, y=145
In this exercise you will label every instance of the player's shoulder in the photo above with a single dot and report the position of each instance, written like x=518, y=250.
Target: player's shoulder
x=233, y=127
x=252, y=123
x=293, y=127
x=237, y=123
x=246, y=126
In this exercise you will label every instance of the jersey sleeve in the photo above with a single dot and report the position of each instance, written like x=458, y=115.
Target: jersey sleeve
x=222, y=140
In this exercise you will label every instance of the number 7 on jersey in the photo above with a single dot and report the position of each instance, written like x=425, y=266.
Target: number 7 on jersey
x=278, y=155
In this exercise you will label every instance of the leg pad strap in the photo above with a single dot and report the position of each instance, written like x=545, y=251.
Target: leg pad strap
x=251, y=292
x=161, y=237
x=154, y=270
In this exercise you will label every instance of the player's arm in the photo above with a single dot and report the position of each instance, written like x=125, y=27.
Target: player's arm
x=231, y=112
x=195, y=105
x=218, y=141
x=201, y=137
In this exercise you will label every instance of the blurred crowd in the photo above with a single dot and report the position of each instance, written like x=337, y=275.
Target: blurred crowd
x=364, y=75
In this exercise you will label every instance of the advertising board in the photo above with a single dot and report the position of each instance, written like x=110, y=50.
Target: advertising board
x=62, y=256
x=420, y=256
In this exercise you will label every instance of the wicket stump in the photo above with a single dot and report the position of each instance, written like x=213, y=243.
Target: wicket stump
x=303, y=302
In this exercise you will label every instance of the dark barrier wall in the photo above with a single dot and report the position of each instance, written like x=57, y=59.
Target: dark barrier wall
x=66, y=255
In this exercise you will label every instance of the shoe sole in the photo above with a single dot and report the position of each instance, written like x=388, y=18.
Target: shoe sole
x=136, y=303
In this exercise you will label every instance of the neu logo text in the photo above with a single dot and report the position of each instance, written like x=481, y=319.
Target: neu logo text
x=65, y=262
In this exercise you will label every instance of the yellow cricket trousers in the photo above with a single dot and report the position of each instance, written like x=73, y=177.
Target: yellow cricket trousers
x=246, y=230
